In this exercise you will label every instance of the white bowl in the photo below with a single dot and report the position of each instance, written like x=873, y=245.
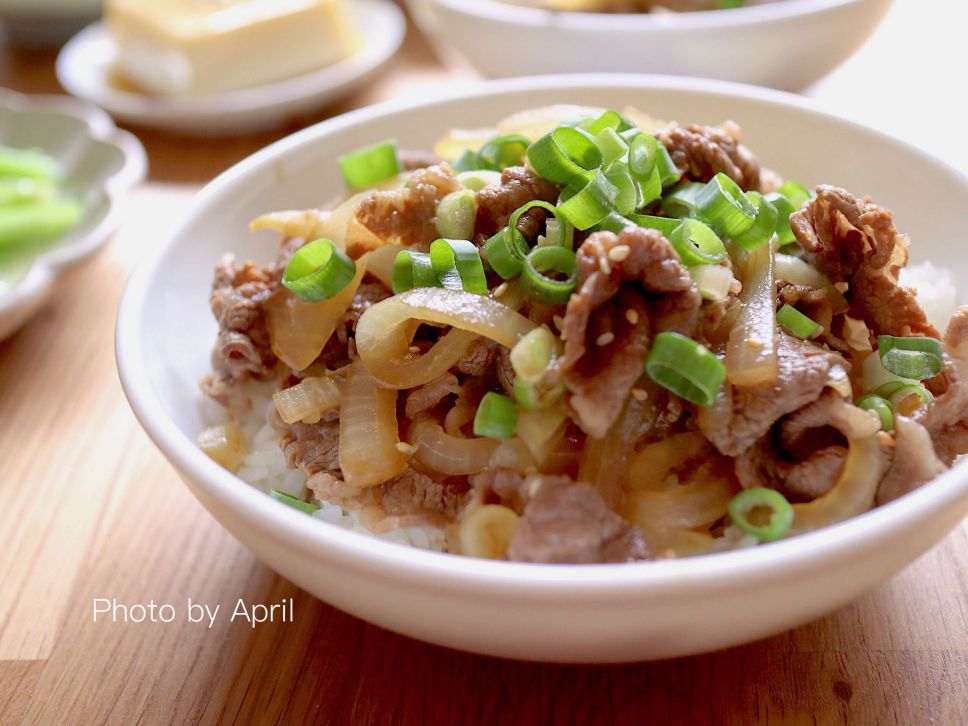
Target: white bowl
x=101, y=164
x=85, y=67
x=786, y=44
x=540, y=612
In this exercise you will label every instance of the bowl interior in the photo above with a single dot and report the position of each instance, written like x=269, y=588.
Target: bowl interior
x=166, y=332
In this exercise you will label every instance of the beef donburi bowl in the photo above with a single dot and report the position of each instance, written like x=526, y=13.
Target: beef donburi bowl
x=589, y=335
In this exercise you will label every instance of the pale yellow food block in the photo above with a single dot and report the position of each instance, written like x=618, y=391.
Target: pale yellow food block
x=191, y=47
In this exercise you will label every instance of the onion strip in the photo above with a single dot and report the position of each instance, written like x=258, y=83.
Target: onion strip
x=448, y=454
x=751, y=357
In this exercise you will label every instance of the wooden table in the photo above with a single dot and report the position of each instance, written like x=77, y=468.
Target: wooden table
x=89, y=509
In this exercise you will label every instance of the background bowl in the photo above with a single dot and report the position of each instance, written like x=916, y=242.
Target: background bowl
x=101, y=163
x=539, y=612
x=786, y=44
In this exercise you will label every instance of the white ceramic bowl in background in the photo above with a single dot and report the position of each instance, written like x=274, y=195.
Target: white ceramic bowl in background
x=101, y=163
x=85, y=67
x=541, y=612
x=786, y=44
x=46, y=23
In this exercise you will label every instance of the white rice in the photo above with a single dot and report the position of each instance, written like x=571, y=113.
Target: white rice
x=265, y=468
x=936, y=290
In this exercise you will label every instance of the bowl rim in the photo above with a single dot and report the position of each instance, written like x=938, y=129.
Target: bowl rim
x=503, y=12
x=390, y=561
x=45, y=268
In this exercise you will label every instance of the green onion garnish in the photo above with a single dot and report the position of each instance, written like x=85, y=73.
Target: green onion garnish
x=477, y=179
x=496, y=416
x=686, y=368
x=795, y=322
x=29, y=223
x=318, y=271
x=293, y=502
x=468, y=161
x=502, y=255
x=724, y=207
x=457, y=265
x=628, y=198
x=587, y=205
x=610, y=144
x=608, y=120
x=502, y=151
x=796, y=193
x=744, y=504
x=651, y=189
x=531, y=356
x=916, y=358
x=783, y=209
x=456, y=215
x=412, y=269
x=643, y=153
x=564, y=156
x=713, y=281
x=30, y=163
x=764, y=224
x=697, y=244
x=908, y=399
x=566, y=232
x=669, y=173
x=664, y=224
x=370, y=165
x=540, y=287
x=535, y=396
x=881, y=407
x=683, y=201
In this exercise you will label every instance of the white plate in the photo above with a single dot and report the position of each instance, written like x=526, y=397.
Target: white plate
x=540, y=612
x=784, y=44
x=101, y=163
x=85, y=64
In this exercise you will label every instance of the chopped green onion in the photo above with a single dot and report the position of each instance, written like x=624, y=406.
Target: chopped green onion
x=730, y=4
x=643, y=153
x=697, y=244
x=531, y=356
x=686, y=368
x=503, y=256
x=724, y=207
x=610, y=144
x=27, y=224
x=608, y=120
x=541, y=288
x=796, y=193
x=564, y=156
x=457, y=265
x=293, y=502
x=496, y=417
x=507, y=249
x=795, y=322
x=669, y=173
x=877, y=379
x=566, y=232
x=651, y=189
x=370, y=165
x=627, y=198
x=29, y=163
x=412, y=269
x=764, y=224
x=15, y=191
x=318, y=271
x=468, y=161
x=537, y=396
x=746, y=502
x=881, y=407
x=783, y=209
x=477, y=179
x=613, y=222
x=917, y=358
x=713, y=281
x=664, y=224
x=908, y=399
x=589, y=204
x=502, y=151
x=456, y=215
x=683, y=201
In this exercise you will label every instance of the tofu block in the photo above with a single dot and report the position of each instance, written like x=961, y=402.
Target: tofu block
x=195, y=47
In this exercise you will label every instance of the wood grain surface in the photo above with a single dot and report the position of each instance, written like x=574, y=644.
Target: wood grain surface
x=89, y=509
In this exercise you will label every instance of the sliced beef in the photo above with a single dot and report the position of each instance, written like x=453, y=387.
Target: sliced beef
x=855, y=241
x=406, y=215
x=414, y=493
x=497, y=202
x=701, y=152
x=311, y=448
x=565, y=522
x=430, y=394
x=740, y=416
x=412, y=160
x=370, y=292
x=914, y=461
x=630, y=284
x=478, y=359
x=502, y=486
x=242, y=349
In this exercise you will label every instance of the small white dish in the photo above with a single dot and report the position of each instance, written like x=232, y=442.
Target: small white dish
x=101, y=163
x=590, y=613
x=784, y=44
x=85, y=69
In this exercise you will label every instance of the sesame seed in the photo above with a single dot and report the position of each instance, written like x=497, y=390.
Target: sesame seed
x=841, y=287
x=500, y=289
x=604, y=339
x=414, y=348
x=753, y=343
x=639, y=394
x=404, y=448
x=619, y=253
x=632, y=316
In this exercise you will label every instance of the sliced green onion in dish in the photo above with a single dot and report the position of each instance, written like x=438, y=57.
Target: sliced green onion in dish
x=540, y=287
x=536, y=396
x=683, y=201
x=586, y=205
x=908, y=399
x=643, y=153
x=29, y=163
x=565, y=156
x=507, y=250
x=496, y=417
x=29, y=223
x=457, y=265
x=293, y=502
x=531, y=356
x=456, y=215
x=916, y=358
x=877, y=379
x=628, y=197
x=608, y=120
x=467, y=162
x=318, y=271
x=669, y=173
x=611, y=145
x=566, y=232
x=665, y=225
x=796, y=193
x=881, y=407
x=370, y=164
x=503, y=256
x=795, y=322
x=477, y=179
x=764, y=224
x=651, y=189
x=412, y=269
x=15, y=191
x=697, y=244
x=502, y=151
x=784, y=209
x=724, y=207
x=713, y=281
x=686, y=368
x=745, y=509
